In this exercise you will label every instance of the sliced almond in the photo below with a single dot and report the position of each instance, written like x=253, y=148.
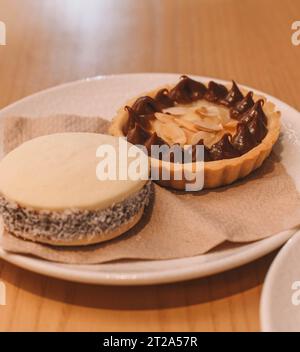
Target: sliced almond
x=177, y=110
x=208, y=124
x=216, y=111
x=163, y=117
x=190, y=124
x=170, y=132
x=206, y=111
x=185, y=124
x=191, y=116
x=156, y=125
x=189, y=135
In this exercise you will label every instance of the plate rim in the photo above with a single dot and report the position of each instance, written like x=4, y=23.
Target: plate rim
x=265, y=305
x=259, y=249
x=101, y=77
x=48, y=268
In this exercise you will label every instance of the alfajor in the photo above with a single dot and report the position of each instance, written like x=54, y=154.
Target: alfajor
x=50, y=193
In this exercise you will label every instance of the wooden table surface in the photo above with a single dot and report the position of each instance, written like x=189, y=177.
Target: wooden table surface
x=54, y=41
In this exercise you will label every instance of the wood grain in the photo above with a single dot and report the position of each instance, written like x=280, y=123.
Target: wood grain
x=54, y=41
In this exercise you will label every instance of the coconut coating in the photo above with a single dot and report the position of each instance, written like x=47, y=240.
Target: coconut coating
x=72, y=224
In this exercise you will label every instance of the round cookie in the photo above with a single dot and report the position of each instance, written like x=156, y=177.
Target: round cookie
x=49, y=191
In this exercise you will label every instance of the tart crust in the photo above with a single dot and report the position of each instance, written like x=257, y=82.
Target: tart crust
x=216, y=173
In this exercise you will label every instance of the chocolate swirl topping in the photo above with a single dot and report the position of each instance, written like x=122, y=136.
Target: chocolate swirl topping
x=163, y=98
x=255, y=111
x=242, y=106
x=153, y=140
x=250, y=131
x=145, y=106
x=257, y=128
x=187, y=91
x=216, y=92
x=138, y=135
x=233, y=96
x=243, y=140
x=224, y=149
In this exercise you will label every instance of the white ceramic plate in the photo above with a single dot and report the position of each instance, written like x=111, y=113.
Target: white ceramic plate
x=103, y=96
x=280, y=300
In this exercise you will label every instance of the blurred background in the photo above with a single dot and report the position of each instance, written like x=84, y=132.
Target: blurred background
x=54, y=41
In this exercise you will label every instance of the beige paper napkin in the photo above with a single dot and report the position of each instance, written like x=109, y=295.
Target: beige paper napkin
x=176, y=224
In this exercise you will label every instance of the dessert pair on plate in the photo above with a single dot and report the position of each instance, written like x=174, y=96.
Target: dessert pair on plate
x=49, y=192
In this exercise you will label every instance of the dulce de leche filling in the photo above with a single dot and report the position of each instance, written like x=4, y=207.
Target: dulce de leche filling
x=227, y=123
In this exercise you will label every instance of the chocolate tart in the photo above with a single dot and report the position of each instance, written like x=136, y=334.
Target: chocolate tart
x=237, y=128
